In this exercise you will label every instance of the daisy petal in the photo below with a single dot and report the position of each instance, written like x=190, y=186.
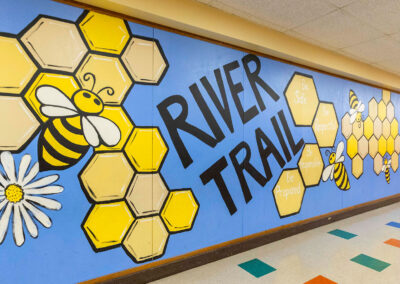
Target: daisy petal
x=42, y=182
x=4, y=221
x=3, y=181
x=45, y=202
x=23, y=167
x=51, y=189
x=32, y=174
x=39, y=215
x=30, y=225
x=3, y=203
x=7, y=161
x=18, y=231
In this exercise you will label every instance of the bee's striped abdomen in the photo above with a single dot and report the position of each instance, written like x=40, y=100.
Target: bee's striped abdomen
x=341, y=177
x=387, y=175
x=353, y=100
x=61, y=144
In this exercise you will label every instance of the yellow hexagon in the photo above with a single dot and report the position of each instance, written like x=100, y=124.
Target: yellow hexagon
x=390, y=145
x=390, y=111
x=146, y=194
x=358, y=129
x=16, y=69
x=144, y=60
x=288, y=192
x=347, y=128
x=377, y=128
x=373, y=146
x=17, y=123
x=104, y=182
x=363, y=147
x=107, y=224
x=55, y=44
x=352, y=147
x=394, y=128
x=146, y=239
x=386, y=128
x=109, y=73
x=395, y=161
x=382, y=146
x=122, y=120
x=386, y=96
x=311, y=165
x=372, y=108
x=325, y=125
x=180, y=210
x=302, y=99
x=146, y=149
x=381, y=110
x=64, y=83
x=368, y=127
x=378, y=162
x=397, y=144
x=357, y=166
x=104, y=33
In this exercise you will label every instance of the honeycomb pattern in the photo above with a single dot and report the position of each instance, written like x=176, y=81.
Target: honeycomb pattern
x=132, y=205
x=376, y=136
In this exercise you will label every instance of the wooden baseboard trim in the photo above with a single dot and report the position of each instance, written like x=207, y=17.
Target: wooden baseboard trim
x=163, y=268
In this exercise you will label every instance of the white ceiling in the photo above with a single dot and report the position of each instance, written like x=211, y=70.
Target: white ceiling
x=366, y=30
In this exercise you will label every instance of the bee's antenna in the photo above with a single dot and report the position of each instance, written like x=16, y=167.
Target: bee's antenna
x=110, y=91
x=327, y=152
x=89, y=76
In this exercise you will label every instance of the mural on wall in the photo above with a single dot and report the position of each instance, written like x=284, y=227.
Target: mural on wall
x=141, y=126
x=75, y=101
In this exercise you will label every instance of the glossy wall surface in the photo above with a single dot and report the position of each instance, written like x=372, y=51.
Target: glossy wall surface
x=122, y=144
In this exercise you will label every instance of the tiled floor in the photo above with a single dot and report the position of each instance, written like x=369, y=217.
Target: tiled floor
x=362, y=249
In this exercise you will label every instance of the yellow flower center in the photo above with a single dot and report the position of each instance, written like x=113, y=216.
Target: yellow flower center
x=14, y=193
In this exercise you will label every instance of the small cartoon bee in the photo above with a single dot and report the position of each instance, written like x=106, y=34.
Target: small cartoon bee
x=356, y=108
x=386, y=169
x=336, y=168
x=73, y=126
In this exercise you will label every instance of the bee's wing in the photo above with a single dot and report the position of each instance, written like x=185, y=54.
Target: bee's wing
x=352, y=111
x=327, y=172
x=383, y=168
x=390, y=161
x=339, y=150
x=54, y=103
x=89, y=132
x=353, y=117
x=340, y=160
x=361, y=107
x=107, y=130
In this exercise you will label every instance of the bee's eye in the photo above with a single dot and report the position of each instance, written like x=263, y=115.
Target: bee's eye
x=97, y=102
x=86, y=95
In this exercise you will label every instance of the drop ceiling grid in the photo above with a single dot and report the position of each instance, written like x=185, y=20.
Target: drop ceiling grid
x=367, y=30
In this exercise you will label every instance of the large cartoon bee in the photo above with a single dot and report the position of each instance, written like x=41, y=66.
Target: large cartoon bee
x=73, y=126
x=356, y=108
x=336, y=169
x=386, y=169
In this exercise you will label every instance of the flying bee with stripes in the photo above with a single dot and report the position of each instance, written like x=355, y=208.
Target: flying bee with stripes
x=336, y=168
x=356, y=108
x=386, y=169
x=74, y=125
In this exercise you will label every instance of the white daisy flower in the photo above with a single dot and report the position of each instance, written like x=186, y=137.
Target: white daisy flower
x=20, y=195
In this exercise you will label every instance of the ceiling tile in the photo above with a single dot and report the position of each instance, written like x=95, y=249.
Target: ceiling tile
x=340, y=3
x=338, y=29
x=376, y=50
x=283, y=13
x=381, y=14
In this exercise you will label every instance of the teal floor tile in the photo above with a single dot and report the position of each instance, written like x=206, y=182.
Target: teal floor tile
x=342, y=234
x=394, y=224
x=370, y=262
x=256, y=267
